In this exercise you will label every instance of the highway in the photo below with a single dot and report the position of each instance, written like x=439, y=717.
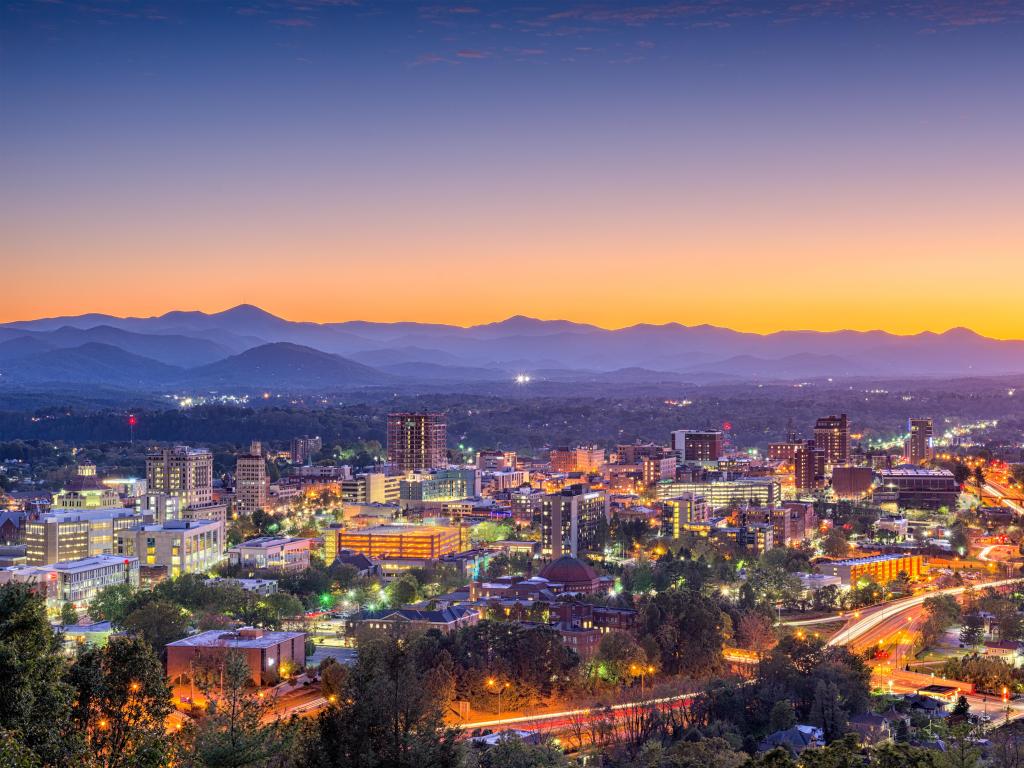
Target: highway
x=1000, y=492
x=554, y=721
x=872, y=619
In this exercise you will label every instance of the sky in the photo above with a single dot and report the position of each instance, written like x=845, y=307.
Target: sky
x=761, y=166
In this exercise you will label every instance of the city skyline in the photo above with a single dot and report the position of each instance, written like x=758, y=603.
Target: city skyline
x=755, y=167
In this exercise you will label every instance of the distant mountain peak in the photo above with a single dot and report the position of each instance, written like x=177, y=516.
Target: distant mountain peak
x=248, y=311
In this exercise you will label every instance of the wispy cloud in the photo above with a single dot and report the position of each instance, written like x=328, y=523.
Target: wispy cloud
x=470, y=53
x=292, y=22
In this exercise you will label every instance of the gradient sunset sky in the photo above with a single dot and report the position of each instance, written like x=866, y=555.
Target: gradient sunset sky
x=755, y=165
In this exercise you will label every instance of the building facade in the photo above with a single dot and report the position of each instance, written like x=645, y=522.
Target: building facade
x=183, y=472
x=72, y=535
x=414, y=542
x=251, y=481
x=305, y=447
x=268, y=552
x=78, y=581
x=698, y=446
x=180, y=546
x=881, y=568
x=832, y=435
x=417, y=441
x=570, y=520
x=920, y=434
x=267, y=654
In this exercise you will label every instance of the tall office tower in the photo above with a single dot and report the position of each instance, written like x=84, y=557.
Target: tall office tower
x=570, y=520
x=417, y=441
x=303, y=448
x=692, y=445
x=184, y=472
x=832, y=435
x=919, y=442
x=808, y=466
x=251, y=481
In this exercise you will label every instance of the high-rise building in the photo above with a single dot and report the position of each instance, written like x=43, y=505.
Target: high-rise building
x=832, y=435
x=584, y=458
x=696, y=446
x=570, y=520
x=919, y=441
x=303, y=448
x=251, y=481
x=417, y=441
x=183, y=472
x=808, y=467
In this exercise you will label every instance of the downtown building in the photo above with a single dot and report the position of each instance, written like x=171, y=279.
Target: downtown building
x=251, y=481
x=680, y=512
x=371, y=488
x=571, y=519
x=585, y=458
x=304, y=448
x=916, y=487
x=85, y=491
x=809, y=467
x=71, y=535
x=694, y=446
x=722, y=494
x=183, y=472
x=918, y=447
x=272, y=553
x=177, y=546
x=832, y=435
x=417, y=441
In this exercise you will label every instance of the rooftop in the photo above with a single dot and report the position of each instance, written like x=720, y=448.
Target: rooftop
x=84, y=515
x=914, y=472
x=262, y=542
x=89, y=563
x=405, y=530
x=865, y=560
x=246, y=637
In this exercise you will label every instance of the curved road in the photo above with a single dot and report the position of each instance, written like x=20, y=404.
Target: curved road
x=898, y=609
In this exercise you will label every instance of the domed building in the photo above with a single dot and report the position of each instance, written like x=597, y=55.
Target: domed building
x=574, y=575
x=85, y=491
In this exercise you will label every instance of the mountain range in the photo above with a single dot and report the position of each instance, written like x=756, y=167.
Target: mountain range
x=248, y=348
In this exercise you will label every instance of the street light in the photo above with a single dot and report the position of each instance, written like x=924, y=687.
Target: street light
x=642, y=671
x=492, y=683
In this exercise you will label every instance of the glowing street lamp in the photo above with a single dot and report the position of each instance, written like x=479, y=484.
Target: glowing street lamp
x=642, y=671
x=498, y=688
